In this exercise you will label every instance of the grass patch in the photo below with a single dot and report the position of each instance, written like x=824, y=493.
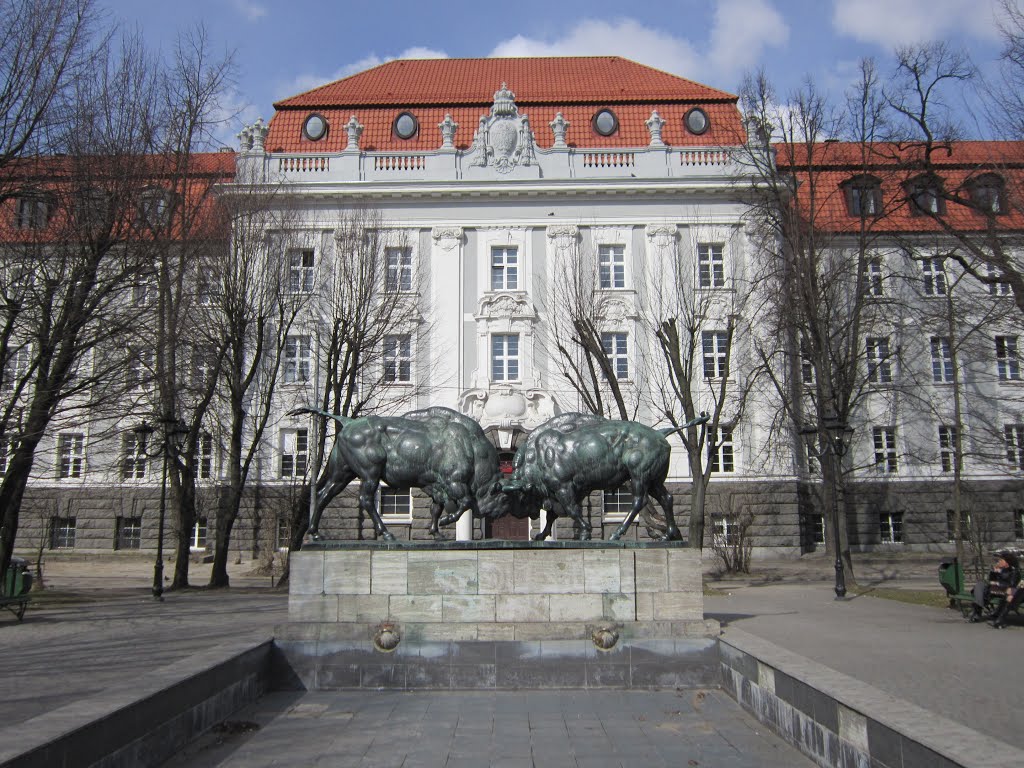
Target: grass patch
x=930, y=597
x=712, y=592
x=56, y=598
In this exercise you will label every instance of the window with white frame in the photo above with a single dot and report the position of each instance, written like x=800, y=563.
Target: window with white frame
x=942, y=360
x=204, y=361
x=816, y=527
x=6, y=452
x=1007, y=362
x=505, y=268
x=301, y=271
x=1013, y=435
x=283, y=534
x=398, y=358
x=505, y=357
x=128, y=534
x=62, y=532
x=399, y=269
x=155, y=208
x=32, y=212
x=879, y=362
x=715, y=347
x=204, y=455
x=934, y=275
x=813, y=460
x=141, y=365
x=947, y=447
x=872, y=277
x=70, y=455
x=890, y=527
x=612, y=266
x=144, y=291
x=997, y=287
x=207, y=286
x=294, y=452
x=298, y=359
x=617, y=503
x=615, y=349
x=720, y=453
x=133, y=456
x=965, y=525
x=725, y=532
x=806, y=363
x=18, y=363
x=199, y=533
x=395, y=504
x=886, y=459
x=710, y=265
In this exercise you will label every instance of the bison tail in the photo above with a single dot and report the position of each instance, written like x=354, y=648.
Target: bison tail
x=704, y=418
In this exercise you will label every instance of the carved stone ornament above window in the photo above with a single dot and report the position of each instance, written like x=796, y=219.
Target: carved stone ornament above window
x=662, y=235
x=616, y=310
x=563, y=235
x=504, y=138
x=506, y=305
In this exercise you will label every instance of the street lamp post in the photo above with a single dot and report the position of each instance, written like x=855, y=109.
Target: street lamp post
x=174, y=433
x=836, y=444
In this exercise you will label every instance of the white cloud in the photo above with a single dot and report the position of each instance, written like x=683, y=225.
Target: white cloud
x=308, y=81
x=251, y=10
x=741, y=31
x=889, y=23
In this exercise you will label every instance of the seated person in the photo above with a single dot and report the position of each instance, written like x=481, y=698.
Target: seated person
x=1003, y=580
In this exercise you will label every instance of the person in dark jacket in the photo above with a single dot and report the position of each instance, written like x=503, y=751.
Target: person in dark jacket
x=1004, y=579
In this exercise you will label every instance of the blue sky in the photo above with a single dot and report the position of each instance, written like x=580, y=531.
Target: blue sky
x=282, y=48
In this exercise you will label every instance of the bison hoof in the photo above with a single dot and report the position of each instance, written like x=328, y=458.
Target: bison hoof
x=672, y=534
x=438, y=536
x=615, y=536
x=314, y=535
x=387, y=535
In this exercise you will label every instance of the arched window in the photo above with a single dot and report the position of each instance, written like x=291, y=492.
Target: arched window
x=863, y=196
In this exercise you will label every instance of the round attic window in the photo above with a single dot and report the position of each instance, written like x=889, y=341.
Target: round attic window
x=696, y=121
x=605, y=122
x=406, y=125
x=315, y=127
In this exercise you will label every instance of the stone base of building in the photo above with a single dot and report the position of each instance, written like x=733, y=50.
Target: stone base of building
x=495, y=615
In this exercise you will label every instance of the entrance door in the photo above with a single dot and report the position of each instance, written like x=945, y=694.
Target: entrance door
x=508, y=527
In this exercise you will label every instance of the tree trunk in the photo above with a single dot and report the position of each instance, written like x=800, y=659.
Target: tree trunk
x=186, y=494
x=698, y=495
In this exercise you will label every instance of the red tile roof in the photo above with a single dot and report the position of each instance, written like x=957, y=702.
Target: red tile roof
x=575, y=86
x=895, y=166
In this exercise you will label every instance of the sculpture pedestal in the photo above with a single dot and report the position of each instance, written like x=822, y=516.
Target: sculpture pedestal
x=497, y=614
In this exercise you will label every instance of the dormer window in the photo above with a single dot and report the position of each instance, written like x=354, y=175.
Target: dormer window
x=93, y=209
x=605, y=122
x=696, y=121
x=315, y=127
x=32, y=211
x=155, y=208
x=863, y=196
x=925, y=195
x=988, y=193
x=406, y=125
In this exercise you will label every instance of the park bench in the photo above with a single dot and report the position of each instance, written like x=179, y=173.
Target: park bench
x=951, y=577
x=17, y=583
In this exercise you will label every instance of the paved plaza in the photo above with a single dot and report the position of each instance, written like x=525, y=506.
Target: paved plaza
x=114, y=633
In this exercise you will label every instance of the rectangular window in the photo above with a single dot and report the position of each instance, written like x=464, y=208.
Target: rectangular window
x=17, y=366
x=283, y=534
x=865, y=199
x=70, y=455
x=720, y=450
x=617, y=504
x=199, y=534
x=144, y=291
x=398, y=358
x=141, y=367
x=129, y=533
x=806, y=363
x=399, y=266
x=872, y=277
x=715, y=346
x=942, y=360
x=204, y=455
x=1013, y=434
x=934, y=277
x=997, y=287
x=504, y=269
x=207, y=286
x=505, y=357
x=62, y=533
x=710, y=265
x=133, y=457
x=33, y=212
x=724, y=532
x=947, y=447
x=614, y=346
x=1007, y=363
x=6, y=452
x=204, y=362
x=886, y=459
x=890, y=527
x=813, y=462
x=300, y=271
x=298, y=359
x=879, y=363
x=816, y=523
x=965, y=525
x=612, y=266
x=294, y=452
x=396, y=504
x=1018, y=524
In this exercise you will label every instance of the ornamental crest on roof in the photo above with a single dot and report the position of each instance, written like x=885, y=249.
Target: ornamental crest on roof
x=504, y=138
